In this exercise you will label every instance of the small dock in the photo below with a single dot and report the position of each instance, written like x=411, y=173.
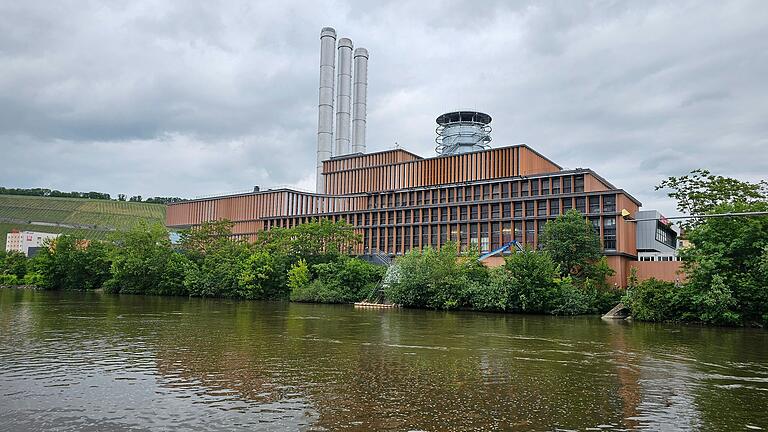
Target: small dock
x=367, y=305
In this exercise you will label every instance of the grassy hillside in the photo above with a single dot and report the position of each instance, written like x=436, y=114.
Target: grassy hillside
x=88, y=218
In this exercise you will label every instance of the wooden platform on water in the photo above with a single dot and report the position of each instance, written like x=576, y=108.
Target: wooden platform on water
x=367, y=305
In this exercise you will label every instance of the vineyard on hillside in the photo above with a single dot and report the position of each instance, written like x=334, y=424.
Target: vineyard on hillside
x=92, y=219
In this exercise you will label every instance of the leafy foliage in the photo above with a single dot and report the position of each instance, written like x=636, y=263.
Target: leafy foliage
x=73, y=264
x=144, y=263
x=572, y=244
x=700, y=192
x=725, y=266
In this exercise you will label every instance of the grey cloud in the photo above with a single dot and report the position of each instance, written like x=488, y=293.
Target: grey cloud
x=194, y=98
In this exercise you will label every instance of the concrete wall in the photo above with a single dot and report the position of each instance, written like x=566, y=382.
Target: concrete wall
x=670, y=271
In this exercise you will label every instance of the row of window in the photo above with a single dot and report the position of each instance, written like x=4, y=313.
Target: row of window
x=485, y=236
x=535, y=208
x=491, y=191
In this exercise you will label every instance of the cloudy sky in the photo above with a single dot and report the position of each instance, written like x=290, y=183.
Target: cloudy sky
x=185, y=98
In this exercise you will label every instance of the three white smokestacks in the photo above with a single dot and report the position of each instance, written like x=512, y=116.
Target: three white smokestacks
x=350, y=100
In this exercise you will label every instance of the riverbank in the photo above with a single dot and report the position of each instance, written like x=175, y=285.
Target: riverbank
x=155, y=362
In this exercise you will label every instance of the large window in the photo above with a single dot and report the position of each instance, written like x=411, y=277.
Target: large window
x=464, y=213
x=556, y=186
x=567, y=185
x=665, y=235
x=609, y=203
x=554, y=207
x=594, y=204
x=505, y=190
x=609, y=233
x=518, y=209
x=524, y=188
x=581, y=204
x=534, y=187
x=495, y=211
x=530, y=229
x=519, y=231
x=514, y=190
x=541, y=208
x=529, y=208
x=545, y=186
x=506, y=233
x=506, y=210
x=484, y=211
x=578, y=185
x=473, y=212
x=595, y=221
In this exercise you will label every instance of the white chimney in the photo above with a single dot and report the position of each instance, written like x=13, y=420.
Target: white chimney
x=359, y=100
x=325, y=107
x=344, y=97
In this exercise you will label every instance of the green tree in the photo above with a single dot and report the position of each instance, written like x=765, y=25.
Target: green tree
x=13, y=263
x=219, y=272
x=316, y=242
x=209, y=235
x=73, y=264
x=435, y=279
x=530, y=281
x=261, y=277
x=143, y=262
x=299, y=276
x=572, y=243
x=700, y=192
x=725, y=266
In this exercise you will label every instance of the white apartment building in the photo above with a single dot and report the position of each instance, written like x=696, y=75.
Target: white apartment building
x=27, y=242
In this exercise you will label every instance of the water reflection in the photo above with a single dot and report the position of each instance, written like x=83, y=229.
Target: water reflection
x=88, y=361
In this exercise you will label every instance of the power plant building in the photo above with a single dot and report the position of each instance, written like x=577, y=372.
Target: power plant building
x=397, y=201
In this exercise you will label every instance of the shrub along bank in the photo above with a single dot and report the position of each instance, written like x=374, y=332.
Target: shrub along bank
x=727, y=263
x=311, y=263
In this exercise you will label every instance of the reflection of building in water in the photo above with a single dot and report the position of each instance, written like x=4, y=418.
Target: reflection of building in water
x=656, y=394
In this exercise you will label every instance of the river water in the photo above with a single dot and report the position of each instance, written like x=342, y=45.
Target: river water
x=91, y=361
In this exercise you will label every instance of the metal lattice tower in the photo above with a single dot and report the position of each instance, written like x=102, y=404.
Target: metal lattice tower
x=462, y=132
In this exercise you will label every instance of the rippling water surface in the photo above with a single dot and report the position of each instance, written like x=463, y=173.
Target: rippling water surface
x=89, y=361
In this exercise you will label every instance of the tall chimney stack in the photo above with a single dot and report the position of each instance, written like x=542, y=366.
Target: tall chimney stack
x=344, y=97
x=325, y=107
x=359, y=100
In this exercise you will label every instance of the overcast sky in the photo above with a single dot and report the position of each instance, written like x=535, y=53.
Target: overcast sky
x=188, y=98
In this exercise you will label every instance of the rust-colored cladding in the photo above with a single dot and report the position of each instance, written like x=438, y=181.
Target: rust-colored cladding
x=399, y=201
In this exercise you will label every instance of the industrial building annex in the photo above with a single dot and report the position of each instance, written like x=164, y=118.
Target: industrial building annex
x=398, y=201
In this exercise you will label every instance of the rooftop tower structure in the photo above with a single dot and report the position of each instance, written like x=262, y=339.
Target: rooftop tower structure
x=462, y=132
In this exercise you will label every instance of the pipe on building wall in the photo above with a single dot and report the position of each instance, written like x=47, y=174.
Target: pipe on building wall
x=344, y=97
x=359, y=100
x=325, y=106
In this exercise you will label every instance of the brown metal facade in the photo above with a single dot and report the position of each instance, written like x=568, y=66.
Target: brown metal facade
x=398, y=201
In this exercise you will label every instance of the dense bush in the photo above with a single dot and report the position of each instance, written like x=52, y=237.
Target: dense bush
x=73, y=264
x=435, y=279
x=13, y=263
x=144, y=263
x=346, y=280
x=726, y=266
x=655, y=300
x=529, y=282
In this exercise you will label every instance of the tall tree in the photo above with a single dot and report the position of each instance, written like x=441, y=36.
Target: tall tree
x=572, y=243
x=700, y=192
